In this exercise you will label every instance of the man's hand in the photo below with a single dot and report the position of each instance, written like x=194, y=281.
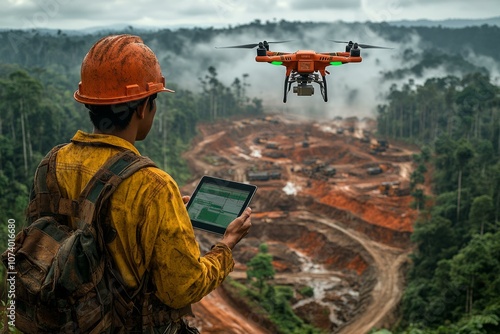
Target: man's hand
x=185, y=199
x=238, y=229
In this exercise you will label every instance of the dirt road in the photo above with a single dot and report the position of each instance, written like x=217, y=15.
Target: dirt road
x=219, y=316
x=388, y=290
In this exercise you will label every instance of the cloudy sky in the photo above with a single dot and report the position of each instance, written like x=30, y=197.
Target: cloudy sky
x=77, y=14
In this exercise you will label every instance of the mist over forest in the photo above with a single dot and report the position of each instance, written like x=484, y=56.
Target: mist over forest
x=185, y=54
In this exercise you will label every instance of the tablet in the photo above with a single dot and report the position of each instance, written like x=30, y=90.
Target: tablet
x=217, y=202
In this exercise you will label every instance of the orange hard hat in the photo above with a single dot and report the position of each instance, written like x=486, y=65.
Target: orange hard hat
x=118, y=69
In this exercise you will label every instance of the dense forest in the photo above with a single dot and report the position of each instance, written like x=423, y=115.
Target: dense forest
x=453, y=283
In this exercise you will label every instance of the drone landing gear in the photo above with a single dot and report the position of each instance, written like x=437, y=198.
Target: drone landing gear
x=323, y=89
x=287, y=87
x=304, y=87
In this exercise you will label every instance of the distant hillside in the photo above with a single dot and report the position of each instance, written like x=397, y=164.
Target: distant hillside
x=450, y=23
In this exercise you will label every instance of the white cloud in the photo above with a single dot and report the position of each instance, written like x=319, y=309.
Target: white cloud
x=75, y=14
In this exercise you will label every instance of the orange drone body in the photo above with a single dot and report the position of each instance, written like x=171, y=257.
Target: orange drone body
x=305, y=67
x=307, y=61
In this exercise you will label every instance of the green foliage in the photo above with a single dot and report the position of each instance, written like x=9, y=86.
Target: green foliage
x=455, y=271
x=457, y=108
x=464, y=152
x=260, y=267
x=13, y=202
x=475, y=268
x=5, y=320
x=478, y=324
x=481, y=215
x=307, y=291
x=453, y=286
x=381, y=331
x=274, y=300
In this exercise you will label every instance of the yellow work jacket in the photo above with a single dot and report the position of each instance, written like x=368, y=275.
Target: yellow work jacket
x=153, y=228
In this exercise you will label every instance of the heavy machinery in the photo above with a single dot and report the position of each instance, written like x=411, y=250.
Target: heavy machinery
x=374, y=170
x=378, y=145
x=393, y=189
x=265, y=175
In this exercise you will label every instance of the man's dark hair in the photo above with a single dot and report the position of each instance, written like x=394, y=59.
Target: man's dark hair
x=107, y=118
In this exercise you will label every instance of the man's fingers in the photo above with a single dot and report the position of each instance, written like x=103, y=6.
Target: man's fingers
x=238, y=228
x=246, y=213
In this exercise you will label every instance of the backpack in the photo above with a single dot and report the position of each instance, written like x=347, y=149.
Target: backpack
x=64, y=278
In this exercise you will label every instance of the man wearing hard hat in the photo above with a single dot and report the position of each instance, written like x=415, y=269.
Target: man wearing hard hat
x=153, y=236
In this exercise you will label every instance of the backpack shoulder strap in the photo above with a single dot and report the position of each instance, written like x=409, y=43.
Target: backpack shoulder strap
x=45, y=193
x=107, y=179
x=46, y=199
x=93, y=204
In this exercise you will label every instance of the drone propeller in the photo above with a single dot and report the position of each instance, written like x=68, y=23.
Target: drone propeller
x=363, y=46
x=248, y=46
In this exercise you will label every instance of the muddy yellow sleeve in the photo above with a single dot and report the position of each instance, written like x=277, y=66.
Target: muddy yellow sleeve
x=181, y=275
x=153, y=229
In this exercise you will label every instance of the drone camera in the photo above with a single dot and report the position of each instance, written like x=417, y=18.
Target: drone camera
x=304, y=90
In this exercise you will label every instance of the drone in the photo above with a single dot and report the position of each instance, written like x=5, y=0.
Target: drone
x=305, y=67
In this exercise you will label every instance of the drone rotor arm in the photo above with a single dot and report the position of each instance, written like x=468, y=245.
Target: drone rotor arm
x=346, y=59
x=243, y=46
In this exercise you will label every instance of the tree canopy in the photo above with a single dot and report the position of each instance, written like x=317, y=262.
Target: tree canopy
x=453, y=285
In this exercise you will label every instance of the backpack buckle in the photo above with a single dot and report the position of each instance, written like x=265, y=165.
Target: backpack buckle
x=106, y=176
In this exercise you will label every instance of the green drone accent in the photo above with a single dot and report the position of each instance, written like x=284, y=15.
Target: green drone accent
x=277, y=62
x=336, y=63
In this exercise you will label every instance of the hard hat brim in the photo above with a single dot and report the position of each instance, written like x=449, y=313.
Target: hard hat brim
x=115, y=100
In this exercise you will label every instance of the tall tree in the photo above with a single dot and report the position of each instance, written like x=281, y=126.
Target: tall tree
x=463, y=154
x=260, y=267
x=24, y=94
x=481, y=215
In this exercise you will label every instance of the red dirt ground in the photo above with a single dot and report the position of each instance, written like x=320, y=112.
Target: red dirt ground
x=348, y=231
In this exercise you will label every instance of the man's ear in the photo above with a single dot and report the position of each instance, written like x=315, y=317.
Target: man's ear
x=141, y=110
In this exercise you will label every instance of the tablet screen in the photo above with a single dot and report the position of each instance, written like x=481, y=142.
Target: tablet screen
x=216, y=202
